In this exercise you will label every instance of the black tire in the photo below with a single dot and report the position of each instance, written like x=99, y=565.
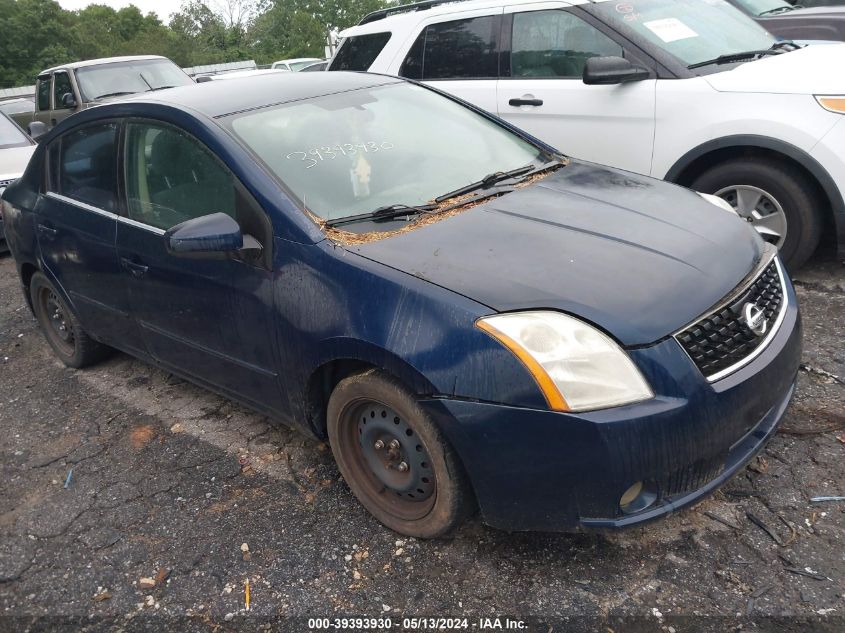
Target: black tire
x=796, y=195
x=61, y=328
x=429, y=511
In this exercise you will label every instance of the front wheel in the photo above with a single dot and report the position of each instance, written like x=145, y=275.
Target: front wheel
x=394, y=458
x=777, y=200
x=61, y=328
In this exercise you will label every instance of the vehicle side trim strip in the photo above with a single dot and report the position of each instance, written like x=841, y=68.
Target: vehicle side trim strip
x=104, y=213
x=231, y=359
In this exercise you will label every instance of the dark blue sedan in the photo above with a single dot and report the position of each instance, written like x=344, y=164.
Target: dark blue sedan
x=470, y=318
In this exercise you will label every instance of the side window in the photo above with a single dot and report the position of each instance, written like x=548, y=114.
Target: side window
x=359, y=51
x=61, y=86
x=555, y=43
x=171, y=177
x=461, y=49
x=87, y=166
x=44, y=92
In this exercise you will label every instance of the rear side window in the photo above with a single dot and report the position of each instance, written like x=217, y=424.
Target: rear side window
x=461, y=49
x=44, y=92
x=61, y=87
x=556, y=44
x=87, y=169
x=359, y=51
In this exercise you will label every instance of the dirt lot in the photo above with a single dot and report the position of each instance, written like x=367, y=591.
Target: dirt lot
x=120, y=473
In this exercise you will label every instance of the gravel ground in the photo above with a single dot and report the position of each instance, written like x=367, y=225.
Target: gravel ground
x=129, y=498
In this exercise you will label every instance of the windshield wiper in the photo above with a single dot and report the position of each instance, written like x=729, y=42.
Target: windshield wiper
x=115, y=94
x=380, y=214
x=497, y=177
x=488, y=181
x=735, y=57
x=777, y=10
x=160, y=88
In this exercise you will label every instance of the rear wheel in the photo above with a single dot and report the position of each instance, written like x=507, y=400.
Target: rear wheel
x=778, y=201
x=61, y=328
x=393, y=457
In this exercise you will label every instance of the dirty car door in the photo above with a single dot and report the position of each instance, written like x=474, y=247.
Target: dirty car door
x=210, y=317
x=75, y=225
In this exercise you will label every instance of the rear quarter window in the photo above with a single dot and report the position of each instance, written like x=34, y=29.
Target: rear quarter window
x=358, y=52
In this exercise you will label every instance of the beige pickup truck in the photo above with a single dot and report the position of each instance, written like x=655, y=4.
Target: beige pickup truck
x=69, y=88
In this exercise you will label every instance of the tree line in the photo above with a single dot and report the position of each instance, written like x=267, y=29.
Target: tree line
x=37, y=34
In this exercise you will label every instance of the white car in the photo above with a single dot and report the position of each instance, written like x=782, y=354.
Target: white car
x=692, y=91
x=15, y=150
x=239, y=74
x=295, y=64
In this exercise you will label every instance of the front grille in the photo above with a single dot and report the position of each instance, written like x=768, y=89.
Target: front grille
x=721, y=341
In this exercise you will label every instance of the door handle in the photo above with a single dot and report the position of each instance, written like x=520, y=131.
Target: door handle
x=136, y=269
x=47, y=232
x=522, y=102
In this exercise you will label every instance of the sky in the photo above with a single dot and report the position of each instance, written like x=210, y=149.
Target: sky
x=162, y=7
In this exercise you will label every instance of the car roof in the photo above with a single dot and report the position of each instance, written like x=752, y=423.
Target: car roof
x=103, y=60
x=217, y=98
x=407, y=16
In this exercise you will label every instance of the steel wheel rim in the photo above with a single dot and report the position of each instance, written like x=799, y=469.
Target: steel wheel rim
x=59, y=328
x=377, y=443
x=759, y=208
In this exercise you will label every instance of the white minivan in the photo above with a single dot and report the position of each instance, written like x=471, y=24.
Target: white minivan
x=692, y=91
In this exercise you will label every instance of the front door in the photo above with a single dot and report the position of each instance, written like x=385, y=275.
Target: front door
x=76, y=221
x=542, y=91
x=210, y=318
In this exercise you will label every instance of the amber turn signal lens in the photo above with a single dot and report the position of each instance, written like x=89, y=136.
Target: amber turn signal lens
x=832, y=104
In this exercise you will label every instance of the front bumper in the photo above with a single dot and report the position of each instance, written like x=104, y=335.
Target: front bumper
x=548, y=471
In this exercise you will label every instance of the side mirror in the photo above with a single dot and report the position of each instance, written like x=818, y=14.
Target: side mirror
x=216, y=233
x=68, y=100
x=203, y=79
x=36, y=129
x=612, y=70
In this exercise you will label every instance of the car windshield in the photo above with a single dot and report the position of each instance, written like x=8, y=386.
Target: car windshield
x=303, y=64
x=130, y=77
x=694, y=31
x=11, y=135
x=766, y=7
x=399, y=144
x=17, y=106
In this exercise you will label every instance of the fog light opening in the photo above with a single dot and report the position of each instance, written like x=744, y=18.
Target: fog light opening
x=637, y=498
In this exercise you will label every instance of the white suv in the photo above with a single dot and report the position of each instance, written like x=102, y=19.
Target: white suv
x=692, y=91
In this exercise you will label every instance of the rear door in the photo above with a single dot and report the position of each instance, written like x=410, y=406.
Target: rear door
x=208, y=317
x=459, y=56
x=76, y=223
x=542, y=91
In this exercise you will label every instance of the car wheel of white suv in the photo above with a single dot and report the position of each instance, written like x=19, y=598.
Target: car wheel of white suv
x=777, y=200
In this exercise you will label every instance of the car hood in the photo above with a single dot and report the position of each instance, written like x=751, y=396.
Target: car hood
x=13, y=161
x=637, y=256
x=810, y=70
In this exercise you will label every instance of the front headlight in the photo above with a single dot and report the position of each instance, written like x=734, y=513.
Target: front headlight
x=832, y=103
x=577, y=367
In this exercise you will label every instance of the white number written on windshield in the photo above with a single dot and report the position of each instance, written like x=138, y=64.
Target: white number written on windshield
x=316, y=155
